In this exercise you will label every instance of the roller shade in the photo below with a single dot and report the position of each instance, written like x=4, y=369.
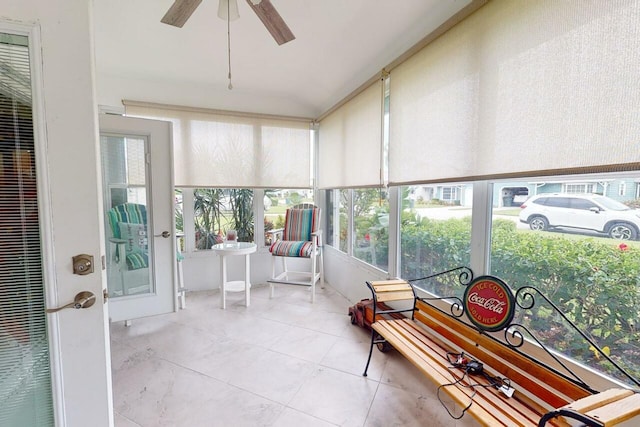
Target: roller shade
x=350, y=142
x=216, y=149
x=520, y=89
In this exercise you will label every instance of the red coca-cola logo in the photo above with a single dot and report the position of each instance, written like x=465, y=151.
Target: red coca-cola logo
x=489, y=303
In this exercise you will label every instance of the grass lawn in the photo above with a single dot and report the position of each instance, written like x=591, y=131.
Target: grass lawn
x=276, y=210
x=508, y=212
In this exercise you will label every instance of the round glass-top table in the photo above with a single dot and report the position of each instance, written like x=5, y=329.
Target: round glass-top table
x=231, y=249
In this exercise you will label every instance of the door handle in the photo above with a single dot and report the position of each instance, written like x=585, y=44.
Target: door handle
x=164, y=234
x=84, y=299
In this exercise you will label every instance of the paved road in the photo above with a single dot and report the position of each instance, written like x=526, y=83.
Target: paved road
x=459, y=212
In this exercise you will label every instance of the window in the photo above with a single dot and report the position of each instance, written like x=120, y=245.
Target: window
x=179, y=215
x=276, y=203
x=439, y=111
x=371, y=227
x=622, y=189
x=358, y=224
x=578, y=188
x=587, y=263
x=450, y=194
x=434, y=237
x=557, y=202
x=337, y=220
x=582, y=204
x=217, y=210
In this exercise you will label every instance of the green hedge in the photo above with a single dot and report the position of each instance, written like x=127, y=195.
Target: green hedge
x=594, y=282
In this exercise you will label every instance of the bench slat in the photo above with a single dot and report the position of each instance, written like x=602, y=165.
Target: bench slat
x=431, y=360
x=394, y=296
x=597, y=400
x=484, y=348
x=432, y=370
x=498, y=401
x=537, y=388
x=389, y=282
x=392, y=288
x=618, y=411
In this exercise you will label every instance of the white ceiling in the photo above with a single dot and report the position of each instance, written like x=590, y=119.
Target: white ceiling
x=339, y=45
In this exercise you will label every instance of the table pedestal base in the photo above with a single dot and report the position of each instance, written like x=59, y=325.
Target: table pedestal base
x=234, y=285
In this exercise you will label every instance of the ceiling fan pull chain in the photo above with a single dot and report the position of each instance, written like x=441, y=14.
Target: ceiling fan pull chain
x=229, y=43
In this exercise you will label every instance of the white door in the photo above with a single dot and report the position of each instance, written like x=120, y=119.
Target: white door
x=138, y=197
x=50, y=211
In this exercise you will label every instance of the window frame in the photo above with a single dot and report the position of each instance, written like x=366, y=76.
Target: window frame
x=480, y=257
x=578, y=187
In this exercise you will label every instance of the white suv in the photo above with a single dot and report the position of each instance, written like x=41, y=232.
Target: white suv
x=581, y=211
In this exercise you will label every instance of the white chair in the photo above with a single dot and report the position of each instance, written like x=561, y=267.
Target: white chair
x=128, y=249
x=301, y=237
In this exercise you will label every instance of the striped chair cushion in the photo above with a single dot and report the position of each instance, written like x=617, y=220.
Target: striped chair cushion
x=126, y=221
x=292, y=248
x=137, y=260
x=299, y=224
x=128, y=212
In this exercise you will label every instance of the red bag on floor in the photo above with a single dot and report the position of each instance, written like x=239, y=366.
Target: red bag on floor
x=362, y=313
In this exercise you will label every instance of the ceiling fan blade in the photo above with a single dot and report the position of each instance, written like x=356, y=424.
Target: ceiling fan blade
x=273, y=21
x=180, y=12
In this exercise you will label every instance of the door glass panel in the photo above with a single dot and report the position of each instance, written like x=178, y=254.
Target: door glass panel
x=127, y=216
x=25, y=377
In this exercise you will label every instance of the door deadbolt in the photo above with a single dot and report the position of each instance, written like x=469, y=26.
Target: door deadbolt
x=82, y=264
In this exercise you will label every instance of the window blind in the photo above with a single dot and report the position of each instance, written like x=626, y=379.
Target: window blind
x=216, y=149
x=350, y=142
x=25, y=378
x=520, y=89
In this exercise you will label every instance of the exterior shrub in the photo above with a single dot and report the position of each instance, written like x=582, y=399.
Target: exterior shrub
x=595, y=284
x=634, y=204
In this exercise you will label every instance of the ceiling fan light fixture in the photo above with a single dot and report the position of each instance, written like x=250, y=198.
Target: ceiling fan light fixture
x=228, y=8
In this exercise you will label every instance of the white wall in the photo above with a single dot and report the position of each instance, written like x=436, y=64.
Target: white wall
x=65, y=108
x=202, y=269
x=348, y=275
x=113, y=89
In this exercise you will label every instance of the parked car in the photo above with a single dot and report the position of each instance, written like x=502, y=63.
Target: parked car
x=581, y=211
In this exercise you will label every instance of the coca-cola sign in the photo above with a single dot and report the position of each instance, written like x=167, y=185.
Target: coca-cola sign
x=489, y=303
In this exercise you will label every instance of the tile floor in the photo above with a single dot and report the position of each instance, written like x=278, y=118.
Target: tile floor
x=279, y=362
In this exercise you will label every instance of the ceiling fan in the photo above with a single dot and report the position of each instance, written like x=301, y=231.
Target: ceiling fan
x=181, y=10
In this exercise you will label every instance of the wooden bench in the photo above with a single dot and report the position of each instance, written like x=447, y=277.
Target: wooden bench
x=433, y=340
